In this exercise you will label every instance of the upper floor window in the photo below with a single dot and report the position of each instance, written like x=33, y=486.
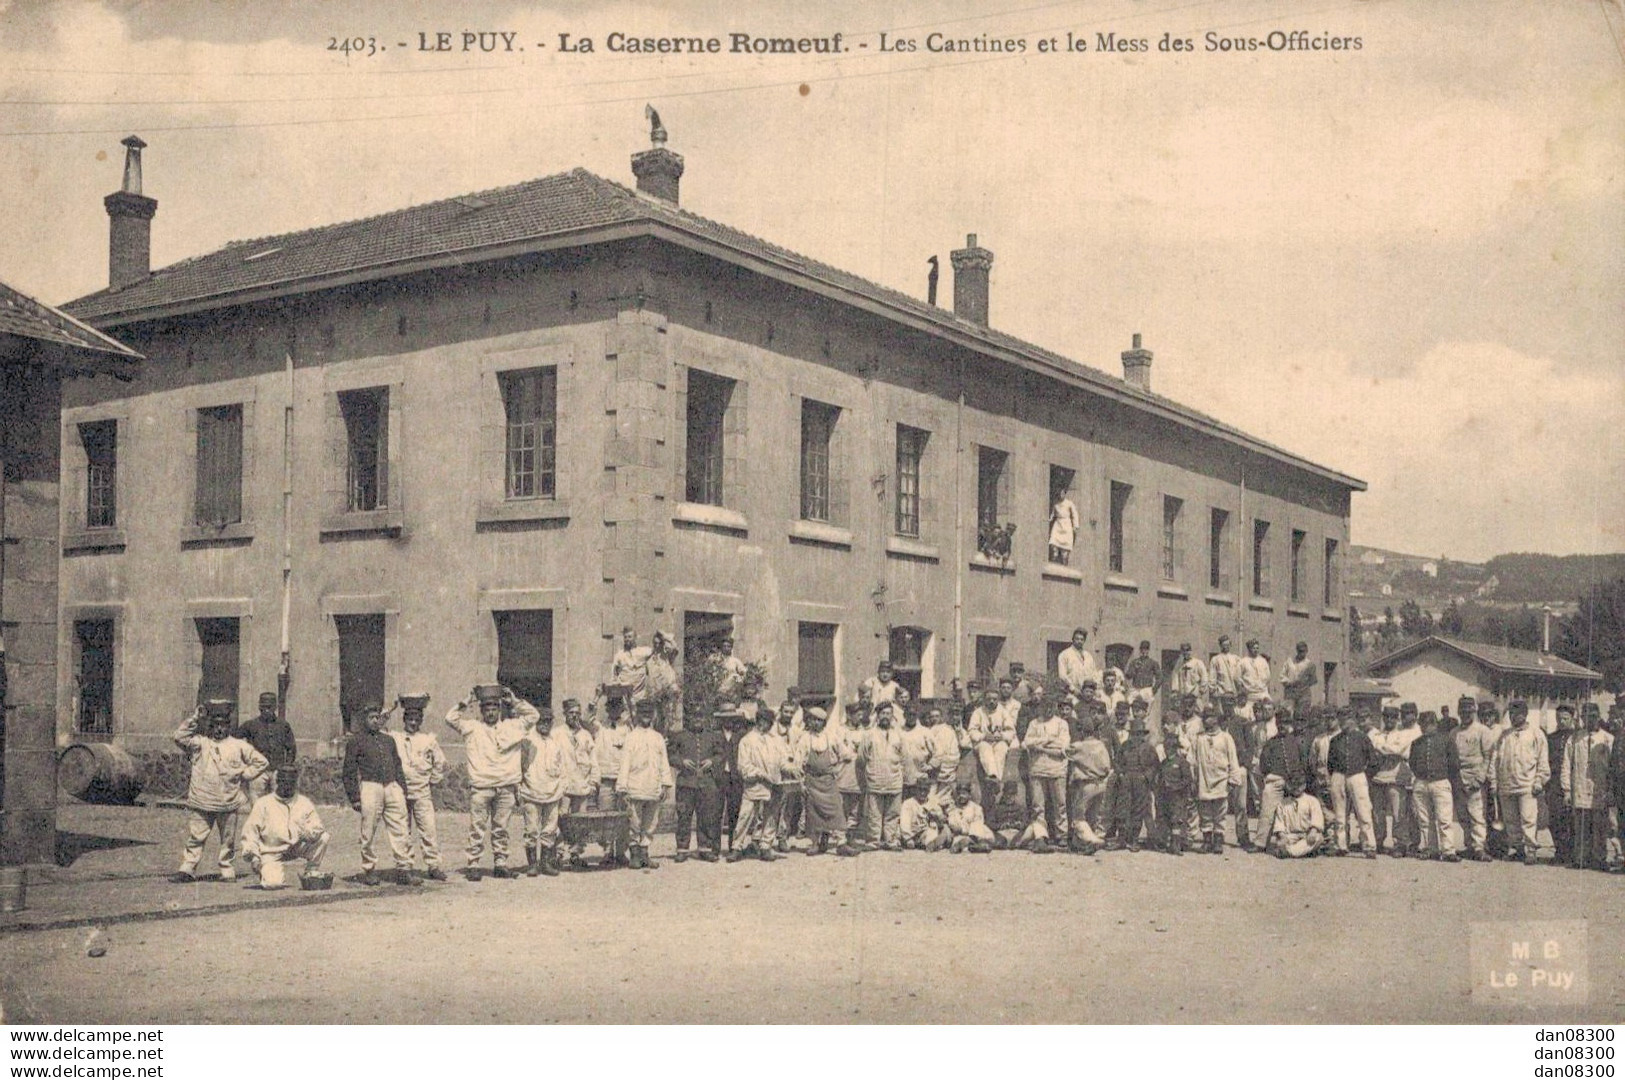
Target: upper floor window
x=366, y=431
x=1261, y=558
x=1218, y=537
x=817, y=430
x=100, y=440
x=910, y=453
x=1329, y=576
x=218, y=499
x=1173, y=554
x=1298, y=538
x=530, y=402
x=1121, y=493
x=708, y=399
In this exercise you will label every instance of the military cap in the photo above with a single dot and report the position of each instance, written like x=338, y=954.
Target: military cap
x=1408, y=709
x=1465, y=703
x=268, y=696
x=569, y=701
x=218, y=708
x=1486, y=703
x=1566, y=708
x=816, y=713
x=1390, y=710
x=1518, y=705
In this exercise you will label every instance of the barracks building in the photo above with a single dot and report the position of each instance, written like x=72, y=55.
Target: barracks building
x=473, y=439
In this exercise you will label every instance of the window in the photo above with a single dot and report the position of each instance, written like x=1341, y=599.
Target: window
x=221, y=666
x=991, y=492
x=1173, y=555
x=815, y=658
x=1118, y=655
x=817, y=429
x=525, y=653
x=1119, y=513
x=1261, y=558
x=708, y=397
x=1328, y=681
x=361, y=665
x=1063, y=515
x=910, y=452
x=100, y=440
x=988, y=651
x=530, y=402
x=1052, y=656
x=1329, y=577
x=93, y=640
x=1298, y=537
x=218, y=500
x=366, y=432
x=909, y=651
x=1218, y=578
x=703, y=635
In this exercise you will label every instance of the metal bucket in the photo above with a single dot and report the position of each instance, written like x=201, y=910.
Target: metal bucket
x=13, y=889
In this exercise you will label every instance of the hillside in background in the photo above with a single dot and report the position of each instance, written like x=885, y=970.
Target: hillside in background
x=1377, y=577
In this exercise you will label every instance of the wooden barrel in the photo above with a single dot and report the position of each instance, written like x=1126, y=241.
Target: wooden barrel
x=13, y=889
x=98, y=773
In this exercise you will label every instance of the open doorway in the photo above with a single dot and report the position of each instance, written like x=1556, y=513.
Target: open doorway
x=361, y=665
x=525, y=654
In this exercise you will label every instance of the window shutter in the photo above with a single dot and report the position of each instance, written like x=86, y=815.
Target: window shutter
x=389, y=478
x=338, y=446
x=491, y=454
x=734, y=431
x=929, y=481
x=1006, y=487
x=679, y=432
x=840, y=501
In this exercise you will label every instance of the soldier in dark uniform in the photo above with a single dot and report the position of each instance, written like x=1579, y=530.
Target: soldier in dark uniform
x=272, y=736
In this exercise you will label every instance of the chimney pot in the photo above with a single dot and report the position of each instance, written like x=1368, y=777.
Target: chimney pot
x=129, y=248
x=972, y=266
x=1137, y=366
x=658, y=172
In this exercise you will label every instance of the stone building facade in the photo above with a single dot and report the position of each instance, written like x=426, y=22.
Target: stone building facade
x=39, y=347
x=476, y=438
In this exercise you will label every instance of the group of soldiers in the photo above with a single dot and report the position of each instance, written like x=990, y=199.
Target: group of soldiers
x=1099, y=760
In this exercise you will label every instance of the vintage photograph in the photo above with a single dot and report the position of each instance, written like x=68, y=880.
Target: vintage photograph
x=1094, y=512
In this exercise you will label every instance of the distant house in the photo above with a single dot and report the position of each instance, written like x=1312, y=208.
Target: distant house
x=39, y=346
x=1431, y=569
x=1436, y=671
x=1369, y=694
x=1373, y=558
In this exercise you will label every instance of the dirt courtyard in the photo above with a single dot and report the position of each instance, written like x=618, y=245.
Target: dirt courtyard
x=884, y=938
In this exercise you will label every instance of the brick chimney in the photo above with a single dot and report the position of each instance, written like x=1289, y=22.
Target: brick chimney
x=1137, y=366
x=129, y=249
x=971, y=267
x=658, y=170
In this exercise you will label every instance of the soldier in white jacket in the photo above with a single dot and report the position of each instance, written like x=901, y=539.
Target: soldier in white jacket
x=1519, y=771
x=491, y=742
x=545, y=766
x=283, y=826
x=646, y=781
x=424, y=764
x=222, y=768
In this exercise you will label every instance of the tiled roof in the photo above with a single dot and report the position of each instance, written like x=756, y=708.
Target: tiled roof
x=23, y=316
x=548, y=208
x=1499, y=657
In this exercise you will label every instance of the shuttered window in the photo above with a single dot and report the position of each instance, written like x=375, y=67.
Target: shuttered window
x=219, y=497
x=1118, y=526
x=815, y=658
x=708, y=399
x=1298, y=538
x=530, y=400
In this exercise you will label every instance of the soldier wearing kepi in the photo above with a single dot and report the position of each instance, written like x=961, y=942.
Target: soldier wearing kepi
x=582, y=789
x=273, y=737
x=1474, y=747
x=491, y=743
x=424, y=765
x=282, y=827
x=222, y=768
x=1519, y=773
x=376, y=786
x=545, y=765
x=646, y=781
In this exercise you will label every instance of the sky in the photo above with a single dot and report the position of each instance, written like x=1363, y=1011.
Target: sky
x=1405, y=262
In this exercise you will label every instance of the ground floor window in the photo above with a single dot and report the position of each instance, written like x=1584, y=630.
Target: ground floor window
x=361, y=665
x=525, y=654
x=221, y=666
x=910, y=650
x=815, y=658
x=988, y=651
x=93, y=640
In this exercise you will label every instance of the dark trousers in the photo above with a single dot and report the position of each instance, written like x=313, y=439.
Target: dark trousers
x=733, y=794
x=1560, y=819
x=1133, y=807
x=699, y=809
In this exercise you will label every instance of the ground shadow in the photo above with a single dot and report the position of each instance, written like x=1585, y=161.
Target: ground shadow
x=69, y=845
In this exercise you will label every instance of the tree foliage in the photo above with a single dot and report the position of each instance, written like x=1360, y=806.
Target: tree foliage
x=1595, y=634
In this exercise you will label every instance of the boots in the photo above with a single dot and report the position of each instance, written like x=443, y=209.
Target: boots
x=1176, y=844
x=533, y=860
x=549, y=860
